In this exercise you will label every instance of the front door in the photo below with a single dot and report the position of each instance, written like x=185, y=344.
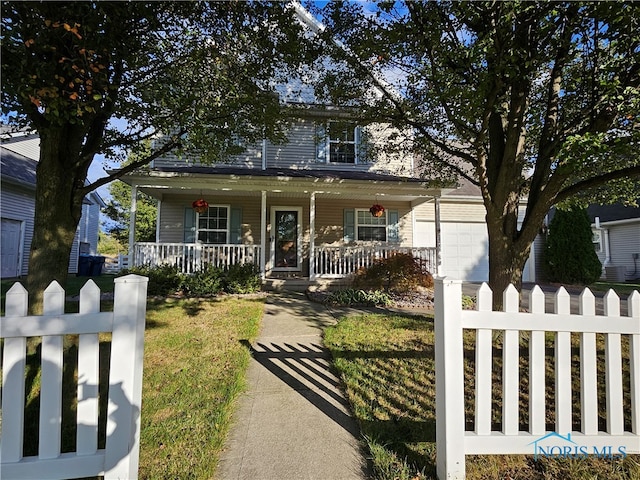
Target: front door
x=11, y=234
x=286, y=254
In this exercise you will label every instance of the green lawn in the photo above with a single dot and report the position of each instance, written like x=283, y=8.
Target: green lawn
x=194, y=368
x=73, y=286
x=620, y=288
x=387, y=365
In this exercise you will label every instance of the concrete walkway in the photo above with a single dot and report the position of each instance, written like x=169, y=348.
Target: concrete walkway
x=293, y=423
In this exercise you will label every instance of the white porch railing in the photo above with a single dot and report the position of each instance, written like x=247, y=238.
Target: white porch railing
x=523, y=338
x=337, y=262
x=119, y=457
x=191, y=257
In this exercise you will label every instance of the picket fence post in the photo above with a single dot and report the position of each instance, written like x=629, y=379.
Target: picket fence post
x=125, y=391
x=449, y=354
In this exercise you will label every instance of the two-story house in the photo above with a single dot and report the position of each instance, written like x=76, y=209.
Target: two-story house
x=315, y=208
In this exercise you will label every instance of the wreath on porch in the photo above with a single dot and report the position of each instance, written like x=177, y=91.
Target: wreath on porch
x=200, y=205
x=376, y=210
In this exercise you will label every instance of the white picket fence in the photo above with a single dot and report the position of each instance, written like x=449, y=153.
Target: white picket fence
x=119, y=458
x=519, y=331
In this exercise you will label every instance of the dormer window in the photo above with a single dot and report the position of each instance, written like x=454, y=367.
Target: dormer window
x=339, y=142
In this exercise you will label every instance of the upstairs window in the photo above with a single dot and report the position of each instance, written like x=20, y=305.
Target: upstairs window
x=342, y=142
x=339, y=142
x=213, y=225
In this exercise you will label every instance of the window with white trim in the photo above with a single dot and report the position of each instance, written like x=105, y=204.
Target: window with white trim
x=597, y=240
x=339, y=142
x=213, y=225
x=370, y=228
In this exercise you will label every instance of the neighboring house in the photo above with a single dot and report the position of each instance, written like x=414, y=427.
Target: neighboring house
x=616, y=239
x=302, y=209
x=19, y=153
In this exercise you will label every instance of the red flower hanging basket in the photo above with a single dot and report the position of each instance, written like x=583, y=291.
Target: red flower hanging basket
x=200, y=205
x=376, y=210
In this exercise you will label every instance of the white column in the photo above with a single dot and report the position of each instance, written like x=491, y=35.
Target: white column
x=158, y=221
x=263, y=234
x=438, y=243
x=312, y=235
x=132, y=224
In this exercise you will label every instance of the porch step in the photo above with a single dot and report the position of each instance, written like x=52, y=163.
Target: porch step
x=302, y=284
x=286, y=284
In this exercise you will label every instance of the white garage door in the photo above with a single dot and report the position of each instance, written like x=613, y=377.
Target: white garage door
x=465, y=249
x=465, y=254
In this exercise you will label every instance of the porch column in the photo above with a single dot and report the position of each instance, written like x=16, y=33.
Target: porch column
x=263, y=235
x=312, y=235
x=132, y=224
x=158, y=208
x=438, y=244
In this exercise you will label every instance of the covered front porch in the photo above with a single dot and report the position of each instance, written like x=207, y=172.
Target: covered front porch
x=294, y=224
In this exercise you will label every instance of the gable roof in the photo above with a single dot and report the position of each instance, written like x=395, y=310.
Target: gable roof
x=17, y=169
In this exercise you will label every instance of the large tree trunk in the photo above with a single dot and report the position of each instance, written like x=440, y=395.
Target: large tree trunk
x=57, y=212
x=508, y=253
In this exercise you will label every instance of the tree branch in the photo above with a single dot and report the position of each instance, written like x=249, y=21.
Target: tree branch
x=167, y=147
x=594, y=182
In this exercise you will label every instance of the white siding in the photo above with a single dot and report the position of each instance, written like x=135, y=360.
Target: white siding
x=300, y=152
x=624, y=241
x=89, y=226
x=452, y=210
x=18, y=204
x=251, y=158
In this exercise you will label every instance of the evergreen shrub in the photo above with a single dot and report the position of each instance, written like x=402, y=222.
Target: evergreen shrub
x=569, y=255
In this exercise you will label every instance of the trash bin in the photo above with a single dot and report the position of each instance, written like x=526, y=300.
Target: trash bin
x=84, y=265
x=96, y=265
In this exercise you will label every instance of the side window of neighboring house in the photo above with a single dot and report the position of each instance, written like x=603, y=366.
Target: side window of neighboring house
x=339, y=142
x=597, y=241
x=213, y=225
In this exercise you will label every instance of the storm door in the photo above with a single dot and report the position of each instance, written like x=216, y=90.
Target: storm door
x=286, y=252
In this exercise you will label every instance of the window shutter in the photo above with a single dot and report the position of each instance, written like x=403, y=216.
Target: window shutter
x=189, y=225
x=235, y=227
x=394, y=227
x=349, y=225
x=321, y=143
x=362, y=145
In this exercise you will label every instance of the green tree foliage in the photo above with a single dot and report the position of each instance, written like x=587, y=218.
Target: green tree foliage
x=527, y=100
x=109, y=245
x=100, y=77
x=119, y=207
x=569, y=254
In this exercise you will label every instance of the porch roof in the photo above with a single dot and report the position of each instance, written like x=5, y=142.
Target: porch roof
x=283, y=181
